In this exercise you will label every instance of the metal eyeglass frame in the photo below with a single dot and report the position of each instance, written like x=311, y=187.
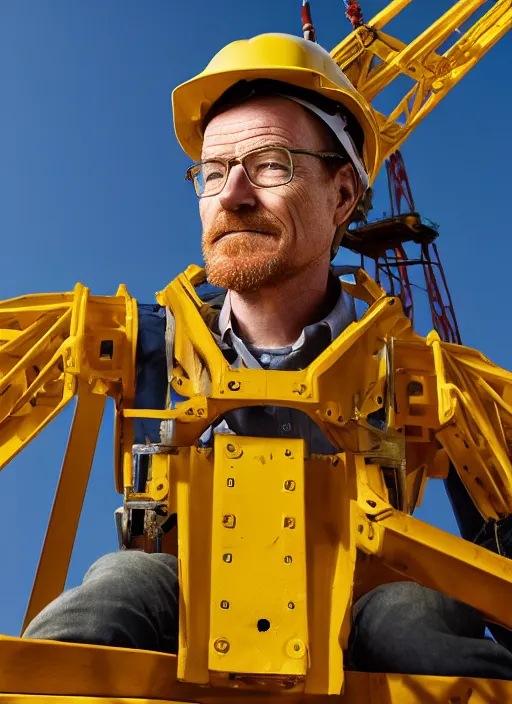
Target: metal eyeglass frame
x=229, y=163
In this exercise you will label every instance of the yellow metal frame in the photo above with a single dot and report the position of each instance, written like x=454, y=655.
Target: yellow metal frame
x=434, y=74
x=333, y=516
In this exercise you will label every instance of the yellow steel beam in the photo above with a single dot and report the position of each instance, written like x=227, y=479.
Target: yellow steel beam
x=388, y=13
x=427, y=555
x=434, y=74
x=62, y=526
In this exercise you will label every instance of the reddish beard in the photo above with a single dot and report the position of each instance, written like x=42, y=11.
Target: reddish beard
x=246, y=261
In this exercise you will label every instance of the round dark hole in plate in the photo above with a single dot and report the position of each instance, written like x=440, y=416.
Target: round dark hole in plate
x=263, y=625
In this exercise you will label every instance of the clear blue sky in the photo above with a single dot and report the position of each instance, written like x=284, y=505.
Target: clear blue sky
x=92, y=190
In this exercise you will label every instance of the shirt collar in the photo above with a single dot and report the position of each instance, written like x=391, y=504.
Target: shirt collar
x=341, y=315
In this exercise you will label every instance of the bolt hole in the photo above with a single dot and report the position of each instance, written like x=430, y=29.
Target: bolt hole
x=263, y=625
x=106, y=349
x=415, y=388
x=371, y=503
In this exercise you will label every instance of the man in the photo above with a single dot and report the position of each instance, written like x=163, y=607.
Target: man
x=287, y=150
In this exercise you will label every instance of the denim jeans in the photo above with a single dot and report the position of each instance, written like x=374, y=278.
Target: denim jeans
x=130, y=599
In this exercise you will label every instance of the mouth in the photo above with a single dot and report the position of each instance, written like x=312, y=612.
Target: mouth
x=239, y=232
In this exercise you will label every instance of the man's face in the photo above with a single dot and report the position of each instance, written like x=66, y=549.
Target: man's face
x=258, y=237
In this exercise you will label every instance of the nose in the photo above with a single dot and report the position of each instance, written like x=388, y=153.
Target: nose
x=238, y=191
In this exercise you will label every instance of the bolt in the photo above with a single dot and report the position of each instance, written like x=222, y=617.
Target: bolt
x=288, y=559
x=230, y=482
x=227, y=557
x=291, y=605
x=289, y=522
x=360, y=529
x=230, y=448
x=224, y=604
x=379, y=399
x=234, y=386
x=221, y=645
x=296, y=646
x=288, y=453
x=179, y=382
x=160, y=487
x=371, y=503
x=289, y=485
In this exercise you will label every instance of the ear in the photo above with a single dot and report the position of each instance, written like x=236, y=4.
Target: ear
x=348, y=192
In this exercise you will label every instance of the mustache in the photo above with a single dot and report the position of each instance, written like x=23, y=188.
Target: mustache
x=227, y=222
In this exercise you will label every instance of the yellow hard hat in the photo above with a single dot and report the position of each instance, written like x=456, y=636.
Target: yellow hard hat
x=280, y=57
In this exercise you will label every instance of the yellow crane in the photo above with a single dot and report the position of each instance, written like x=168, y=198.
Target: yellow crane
x=342, y=529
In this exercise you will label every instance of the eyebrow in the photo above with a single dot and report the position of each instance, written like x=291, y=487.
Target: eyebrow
x=262, y=146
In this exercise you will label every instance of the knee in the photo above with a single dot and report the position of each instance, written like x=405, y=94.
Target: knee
x=390, y=604
x=133, y=567
x=125, y=599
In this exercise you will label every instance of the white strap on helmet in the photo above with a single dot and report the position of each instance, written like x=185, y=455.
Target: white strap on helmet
x=338, y=124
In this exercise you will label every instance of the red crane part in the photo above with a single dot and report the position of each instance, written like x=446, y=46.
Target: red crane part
x=441, y=306
x=354, y=13
x=308, y=28
x=398, y=184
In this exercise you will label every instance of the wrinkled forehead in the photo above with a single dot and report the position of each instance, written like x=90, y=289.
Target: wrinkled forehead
x=260, y=120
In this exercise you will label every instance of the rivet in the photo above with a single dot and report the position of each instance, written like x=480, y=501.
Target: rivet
x=221, y=645
x=227, y=557
x=288, y=453
x=289, y=485
x=233, y=451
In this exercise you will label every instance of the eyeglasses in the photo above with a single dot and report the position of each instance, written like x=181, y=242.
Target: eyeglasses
x=266, y=167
